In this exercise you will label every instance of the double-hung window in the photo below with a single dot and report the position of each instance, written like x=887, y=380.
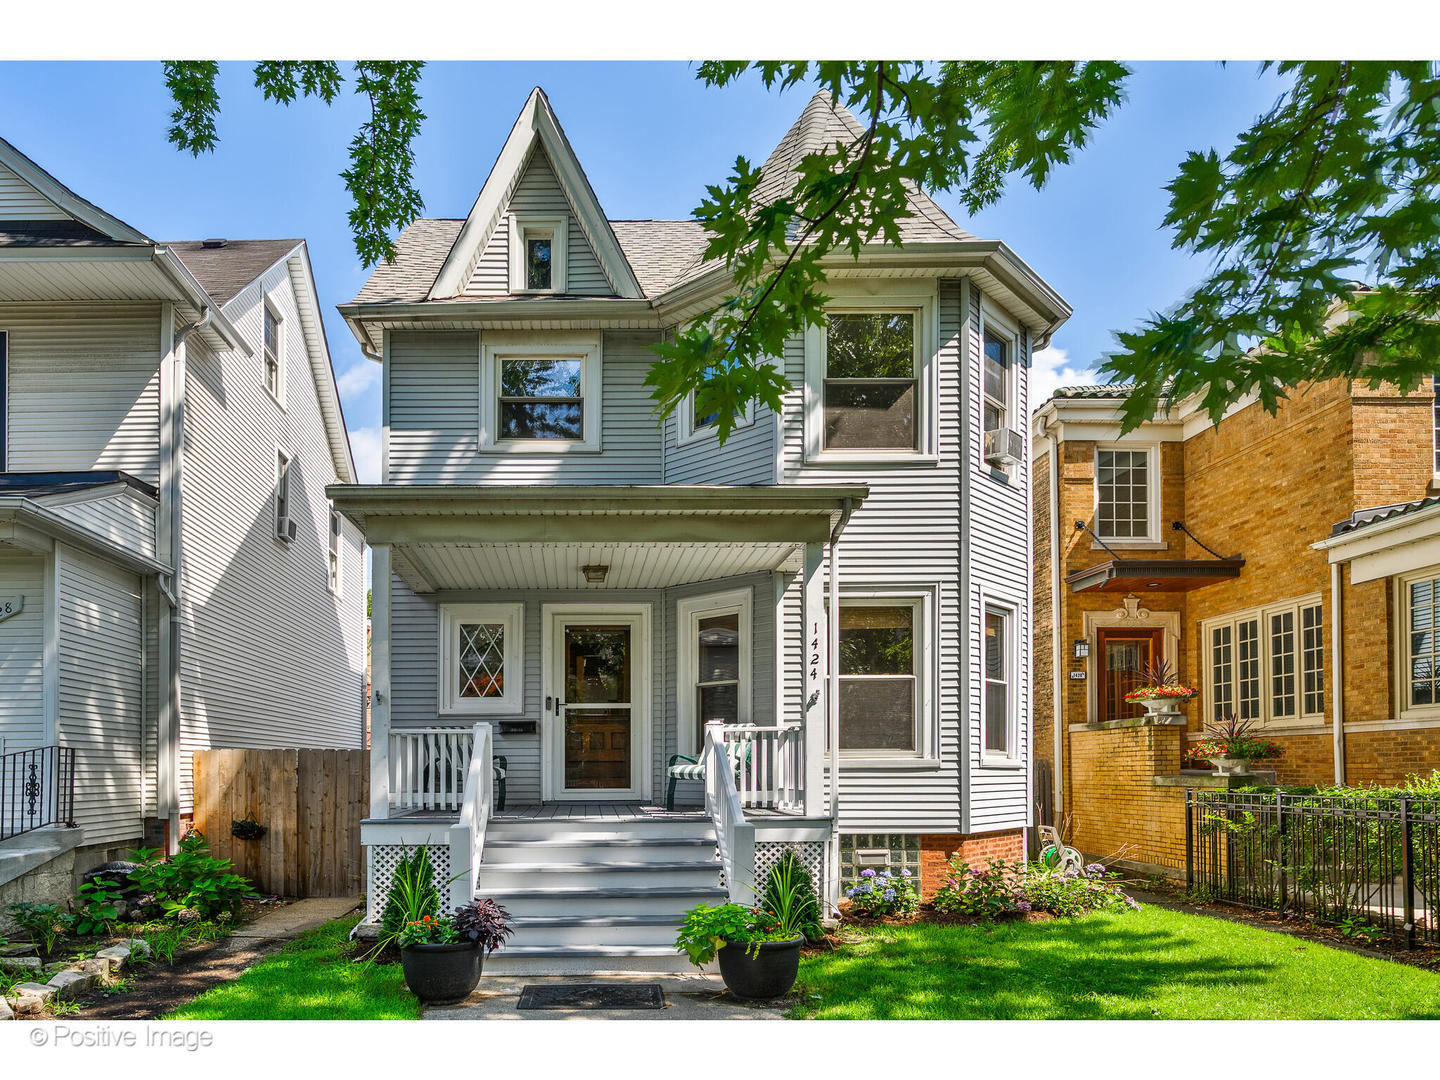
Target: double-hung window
x=274, y=374
x=883, y=667
x=714, y=663
x=1266, y=664
x=537, y=253
x=480, y=651
x=999, y=730
x=998, y=364
x=1420, y=636
x=1125, y=493
x=282, y=495
x=871, y=386
x=333, y=554
x=543, y=392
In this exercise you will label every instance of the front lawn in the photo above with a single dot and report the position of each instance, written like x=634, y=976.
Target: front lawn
x=314, y=977
x=1150, y=964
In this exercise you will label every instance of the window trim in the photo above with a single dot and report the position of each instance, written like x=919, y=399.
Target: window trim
x=284, y=464
x=496, y=346
x=1404, y=710
x=1152, y=488
x=1010, y=609
x=1262, y=616
x=1000, y=326
x=276, y=395
x=686, y=432
x=335, y=549
x=880, y=296
x=512, y=701
x=688, y=613
x=924, y=599
x=559, y=227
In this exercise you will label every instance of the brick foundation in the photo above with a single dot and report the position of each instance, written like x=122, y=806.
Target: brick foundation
x=936, y=849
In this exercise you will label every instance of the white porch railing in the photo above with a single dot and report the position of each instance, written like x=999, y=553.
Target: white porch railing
x=770, y=766
x=428, y=767
x=467, y=836
x=734, y=836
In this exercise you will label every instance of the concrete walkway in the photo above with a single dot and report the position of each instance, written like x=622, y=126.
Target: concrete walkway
x=292, y=920
x=687, y=997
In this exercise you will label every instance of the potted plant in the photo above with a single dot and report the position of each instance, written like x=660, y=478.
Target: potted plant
x=1230, y=745
x=1160, y=689
x=443, y=955
x=758, y=948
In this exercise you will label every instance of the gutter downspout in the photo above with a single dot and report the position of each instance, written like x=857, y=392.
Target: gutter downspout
x=1057, y=688
x=1337, y=681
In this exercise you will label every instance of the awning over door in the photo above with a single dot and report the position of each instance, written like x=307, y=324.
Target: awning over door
x=1153, y=575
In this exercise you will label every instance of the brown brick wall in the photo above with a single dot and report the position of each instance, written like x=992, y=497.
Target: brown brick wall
x=936, y=849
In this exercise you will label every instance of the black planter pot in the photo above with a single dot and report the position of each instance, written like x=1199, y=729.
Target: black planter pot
x=442, y=974
x=768, y=973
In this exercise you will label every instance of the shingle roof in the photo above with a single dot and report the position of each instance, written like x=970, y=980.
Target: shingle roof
x=64, y=233
x=224, y=270
x=661, y=252
x=420, y=251
x=54, y=483
x=1098, y=390
x=1374, y=514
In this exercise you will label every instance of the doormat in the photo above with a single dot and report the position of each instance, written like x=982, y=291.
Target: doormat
x=593, y=996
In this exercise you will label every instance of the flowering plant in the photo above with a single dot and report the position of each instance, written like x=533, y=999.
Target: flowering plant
x=1232, y=737
x=884, y=893
x=1159, y=680
x=427, y=930
x=1013, y=889
x=996, y=890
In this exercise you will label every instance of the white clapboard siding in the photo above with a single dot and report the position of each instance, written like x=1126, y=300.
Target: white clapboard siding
x=22, y=654
x=127, y=518
x=1000, y=562
x=748, y=456
x=414, y=679
x=434, y=410
x=84, y=388
x=538, y=191
x=99, y=702
x=269, y=657
x=21, y=202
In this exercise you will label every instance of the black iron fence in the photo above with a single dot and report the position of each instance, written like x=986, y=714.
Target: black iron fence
x=37, y=788
x=1372, y=861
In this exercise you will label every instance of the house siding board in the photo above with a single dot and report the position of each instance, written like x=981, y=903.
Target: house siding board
x=22, y=654
x=21, y=202
x=748, y=456
x=99, y=702
x=84, y=388
x=126, y=519
x=252, y=606
x=539, y=192
x=433, y=387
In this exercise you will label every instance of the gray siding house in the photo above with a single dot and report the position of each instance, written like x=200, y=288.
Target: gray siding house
x=172, y=576
x=814, y=636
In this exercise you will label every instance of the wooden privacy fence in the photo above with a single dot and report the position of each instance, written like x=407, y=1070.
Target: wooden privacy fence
x=310, y=802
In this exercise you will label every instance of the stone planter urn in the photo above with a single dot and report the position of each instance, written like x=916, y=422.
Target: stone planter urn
x=1231, y=766
x=1163, y=709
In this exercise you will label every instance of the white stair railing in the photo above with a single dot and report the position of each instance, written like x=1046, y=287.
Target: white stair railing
x=428, y=767
x=467, y=836
x=734, y=836
x=769, y=765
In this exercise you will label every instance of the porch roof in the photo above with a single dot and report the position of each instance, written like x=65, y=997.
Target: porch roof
x=646, y=537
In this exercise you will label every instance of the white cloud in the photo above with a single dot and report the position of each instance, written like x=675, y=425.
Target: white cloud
x=358, y=379
x=1051, y=369
x=365, y=446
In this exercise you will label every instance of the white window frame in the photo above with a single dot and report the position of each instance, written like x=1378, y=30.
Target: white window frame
x=1152, y=486
x=1010, y=610
x=1404, y=708
x=334, y=551
x=923, y=599
x=281, y=495
x=877, y=296
x=998, y=325
x=686, y=432
x=497, y=346
x=1262, y=616
x=688, y=613
x=558, y=226
x=512, y=701
x=278, y=393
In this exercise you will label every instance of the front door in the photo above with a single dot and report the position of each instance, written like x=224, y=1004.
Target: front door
x=595, y=689
x=1122, y=653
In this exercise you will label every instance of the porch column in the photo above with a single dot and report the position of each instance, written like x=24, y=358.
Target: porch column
x=814, y=678
x=380, y=681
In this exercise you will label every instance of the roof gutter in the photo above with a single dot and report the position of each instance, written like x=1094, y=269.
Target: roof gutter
x=179, y=274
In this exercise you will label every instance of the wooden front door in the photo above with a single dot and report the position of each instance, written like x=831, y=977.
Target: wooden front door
x=1122, y=651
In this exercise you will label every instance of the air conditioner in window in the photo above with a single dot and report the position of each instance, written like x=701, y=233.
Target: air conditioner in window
x=285, y=529
x=1004, y=447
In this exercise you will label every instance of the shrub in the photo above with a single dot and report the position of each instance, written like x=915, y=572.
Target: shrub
x=1069, y=894
x=789, y=897
x=996, y=890
x=96, y=906
x=45, y=923
x=882, y=893
x=191, y=883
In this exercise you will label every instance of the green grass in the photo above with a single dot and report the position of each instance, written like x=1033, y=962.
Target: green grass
x=1150, y=964
x=312, y=978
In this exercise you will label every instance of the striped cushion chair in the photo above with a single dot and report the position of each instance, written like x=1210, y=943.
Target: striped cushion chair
x=502, y=770
x=685, y=767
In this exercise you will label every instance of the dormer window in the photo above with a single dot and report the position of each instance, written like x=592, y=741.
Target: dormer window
x=537, y=253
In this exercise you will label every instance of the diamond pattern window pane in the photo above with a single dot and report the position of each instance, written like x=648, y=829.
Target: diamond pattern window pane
x=482, y=660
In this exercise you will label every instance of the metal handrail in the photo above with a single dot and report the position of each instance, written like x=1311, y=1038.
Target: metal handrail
x=37, y=788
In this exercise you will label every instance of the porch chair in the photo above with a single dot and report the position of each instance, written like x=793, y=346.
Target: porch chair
x=501, y=765
x=685, y=767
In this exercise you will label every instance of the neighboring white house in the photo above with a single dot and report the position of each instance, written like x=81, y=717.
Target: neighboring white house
x=561, y=581
x=177, y=577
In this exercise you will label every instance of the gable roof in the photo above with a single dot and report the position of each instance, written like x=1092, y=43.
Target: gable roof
x=225, y=267
x=65, y=200
x=536, y=125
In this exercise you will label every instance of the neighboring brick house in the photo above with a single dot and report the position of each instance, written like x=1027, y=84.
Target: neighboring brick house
x=1242, y=600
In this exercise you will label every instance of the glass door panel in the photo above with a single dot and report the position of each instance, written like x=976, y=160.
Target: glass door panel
x=1121, y=654
x=597, y=707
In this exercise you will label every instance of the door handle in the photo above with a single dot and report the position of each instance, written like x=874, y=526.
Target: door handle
x=549, y=703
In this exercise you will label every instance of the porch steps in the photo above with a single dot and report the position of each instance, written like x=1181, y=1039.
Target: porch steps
x=590, y=895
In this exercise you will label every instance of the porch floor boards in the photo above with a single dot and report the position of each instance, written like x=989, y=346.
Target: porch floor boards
x=592, y=811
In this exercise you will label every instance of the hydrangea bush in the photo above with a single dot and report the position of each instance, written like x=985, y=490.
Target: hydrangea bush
x=883, y=893
x=1004, y=889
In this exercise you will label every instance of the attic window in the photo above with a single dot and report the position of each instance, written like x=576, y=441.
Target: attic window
x=537, y=253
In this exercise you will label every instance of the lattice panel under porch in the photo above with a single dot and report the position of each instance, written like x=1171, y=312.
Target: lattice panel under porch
x=812, y=857
x=383, y=860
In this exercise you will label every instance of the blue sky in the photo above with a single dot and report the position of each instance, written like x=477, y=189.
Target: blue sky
x=649, y=136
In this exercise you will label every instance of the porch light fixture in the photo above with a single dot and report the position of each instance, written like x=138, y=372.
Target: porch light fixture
x=595, y=573
x=1082, y=649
